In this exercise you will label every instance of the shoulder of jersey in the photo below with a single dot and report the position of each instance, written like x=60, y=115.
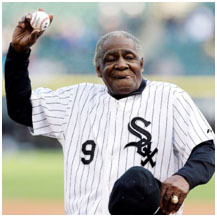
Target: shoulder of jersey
x=161, y=83
x=174, y=89
x=85, y=85
x=96, y=87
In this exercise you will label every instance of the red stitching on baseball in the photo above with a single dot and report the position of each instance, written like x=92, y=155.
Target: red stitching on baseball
x=33, y=23
x=42, y=22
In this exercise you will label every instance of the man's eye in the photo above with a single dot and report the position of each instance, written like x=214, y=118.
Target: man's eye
x=110, y=59
x=129, y=57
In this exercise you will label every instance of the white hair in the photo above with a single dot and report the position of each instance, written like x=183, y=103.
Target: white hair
x=99, y=45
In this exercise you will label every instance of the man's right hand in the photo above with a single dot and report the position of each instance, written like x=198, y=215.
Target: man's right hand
x=24, y=35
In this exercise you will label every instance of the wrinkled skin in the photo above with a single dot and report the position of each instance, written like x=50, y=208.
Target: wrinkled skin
x=24, y=35
x=121, y=68
x=174, y=185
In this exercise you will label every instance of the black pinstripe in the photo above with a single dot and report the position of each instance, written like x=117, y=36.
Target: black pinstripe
x=165, y=135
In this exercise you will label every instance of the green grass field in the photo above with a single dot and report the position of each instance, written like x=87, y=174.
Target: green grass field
x=39, y=174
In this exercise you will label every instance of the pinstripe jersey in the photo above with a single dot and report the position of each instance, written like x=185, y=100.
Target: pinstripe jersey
x=102, y=137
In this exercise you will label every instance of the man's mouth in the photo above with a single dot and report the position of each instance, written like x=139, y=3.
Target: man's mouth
x=120, y=77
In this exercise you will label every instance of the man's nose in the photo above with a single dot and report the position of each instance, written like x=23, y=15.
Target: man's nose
x=121, y=64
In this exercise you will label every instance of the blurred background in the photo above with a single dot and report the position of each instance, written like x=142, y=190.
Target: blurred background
x=178, y=47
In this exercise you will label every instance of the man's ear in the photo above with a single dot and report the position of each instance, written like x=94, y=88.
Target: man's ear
x=142, y=64
x=98, y=70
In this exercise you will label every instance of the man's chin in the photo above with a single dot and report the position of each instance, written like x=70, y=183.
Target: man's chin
x=124, y=88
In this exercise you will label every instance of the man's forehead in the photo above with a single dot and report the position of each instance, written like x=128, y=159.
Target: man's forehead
x=117, y=51
x=118, y=42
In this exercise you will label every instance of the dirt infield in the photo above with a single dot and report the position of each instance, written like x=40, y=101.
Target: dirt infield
x=32, y=207
x=199, y=208
x=26, y=207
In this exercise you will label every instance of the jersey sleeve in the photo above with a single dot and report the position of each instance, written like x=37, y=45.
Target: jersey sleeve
x=49, y=111
x=190, y=127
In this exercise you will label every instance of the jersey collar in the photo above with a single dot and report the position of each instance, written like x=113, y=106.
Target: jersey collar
x=139, y=91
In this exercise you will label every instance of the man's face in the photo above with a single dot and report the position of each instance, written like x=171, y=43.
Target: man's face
x=121, y=68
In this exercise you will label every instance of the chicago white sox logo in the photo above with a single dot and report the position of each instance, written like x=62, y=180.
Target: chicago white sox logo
x=144, y=144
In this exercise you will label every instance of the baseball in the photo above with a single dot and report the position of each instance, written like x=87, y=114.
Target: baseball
x=40, y=20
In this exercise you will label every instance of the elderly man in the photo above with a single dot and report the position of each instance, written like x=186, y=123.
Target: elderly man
x=111, y=133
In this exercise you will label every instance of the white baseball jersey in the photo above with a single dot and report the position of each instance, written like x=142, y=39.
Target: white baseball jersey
x=103, y=137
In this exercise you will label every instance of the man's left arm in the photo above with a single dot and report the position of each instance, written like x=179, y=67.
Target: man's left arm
x=197, y=170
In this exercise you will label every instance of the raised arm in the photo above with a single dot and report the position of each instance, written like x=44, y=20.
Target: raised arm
x=17, y=82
